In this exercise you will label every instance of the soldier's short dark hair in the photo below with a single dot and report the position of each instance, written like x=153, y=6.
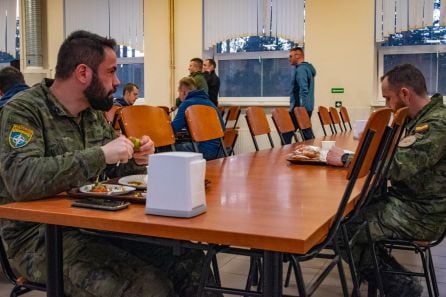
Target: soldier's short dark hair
x=406, y=75
x=129, y=88
x=198, y=61
x=10, y=77
x=212, y=62
x=81, y=47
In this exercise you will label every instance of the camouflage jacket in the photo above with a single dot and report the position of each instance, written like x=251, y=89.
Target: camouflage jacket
x=417, y=199
x=44, y=150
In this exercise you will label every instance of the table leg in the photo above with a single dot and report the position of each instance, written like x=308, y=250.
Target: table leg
x=272, y=274
x=53, y=241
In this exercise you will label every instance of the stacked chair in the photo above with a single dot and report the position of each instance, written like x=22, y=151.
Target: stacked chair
x=303, y=120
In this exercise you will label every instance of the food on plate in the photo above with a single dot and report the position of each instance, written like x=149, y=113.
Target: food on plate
x=136, y=142
x=305, y=152
x=99, y=188
x=135, y=183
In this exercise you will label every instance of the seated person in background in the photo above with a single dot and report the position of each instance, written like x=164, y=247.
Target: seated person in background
x=58, y=139
x=11, y=83
x=195, y=71
x=129, y=95
x=415, y=205
x=189, y=95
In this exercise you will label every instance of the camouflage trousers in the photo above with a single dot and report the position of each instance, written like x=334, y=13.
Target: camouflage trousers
x=394, y=285
x=103, y=267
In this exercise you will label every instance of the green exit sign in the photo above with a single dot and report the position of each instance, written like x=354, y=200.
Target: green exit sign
x=337, y=90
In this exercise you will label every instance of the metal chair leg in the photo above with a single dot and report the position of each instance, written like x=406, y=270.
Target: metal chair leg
x=351, y=261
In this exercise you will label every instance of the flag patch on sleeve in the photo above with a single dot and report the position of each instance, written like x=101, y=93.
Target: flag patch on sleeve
x=19, y=136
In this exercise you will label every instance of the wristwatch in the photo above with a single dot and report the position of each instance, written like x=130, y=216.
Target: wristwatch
x=344, y=159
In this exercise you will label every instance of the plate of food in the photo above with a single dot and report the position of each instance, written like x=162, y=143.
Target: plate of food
x=138, y=181
x=306, y=154
x=100, y=189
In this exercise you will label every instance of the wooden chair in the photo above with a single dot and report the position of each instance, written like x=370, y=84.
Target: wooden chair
x=283, y=122
x=324, y=117
x=303, y=120
x=139, y=120
x=204, y=124
x=335, y=118
x=113, y=115
x=232, y=117
x=345, y=117
x=165, y=108
x=366, y=154
x=20, y=284
x=229, y=139
x=258, y=124
x=221, y=109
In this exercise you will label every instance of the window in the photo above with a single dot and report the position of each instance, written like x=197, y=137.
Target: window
x=130, y=69
x=425, y=48
x=254, y=68
x=9, y=32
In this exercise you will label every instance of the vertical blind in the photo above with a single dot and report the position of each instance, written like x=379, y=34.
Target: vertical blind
x=235, y=18
x=8, y=11
x=118, y=19
x=395, y=16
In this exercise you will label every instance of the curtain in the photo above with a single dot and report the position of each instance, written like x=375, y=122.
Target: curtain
x=118, y=19
x=8, y=11
x=235, y=18
x=394, y=16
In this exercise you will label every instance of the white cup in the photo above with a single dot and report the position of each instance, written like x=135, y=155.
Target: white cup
x=327, y=145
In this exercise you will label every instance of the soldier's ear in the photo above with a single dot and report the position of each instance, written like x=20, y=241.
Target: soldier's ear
x=83, y=73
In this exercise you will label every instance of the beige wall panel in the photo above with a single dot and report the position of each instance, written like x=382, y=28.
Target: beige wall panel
x=188, y=35
x=157, y=63
x=340, y=43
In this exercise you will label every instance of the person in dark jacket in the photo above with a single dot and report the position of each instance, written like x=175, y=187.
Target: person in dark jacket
x=11, y=83
x=129, y=95
x=189, y=95
x=212, y=79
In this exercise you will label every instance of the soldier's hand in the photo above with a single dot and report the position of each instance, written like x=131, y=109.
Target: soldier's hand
x=147, y=147
x=118, y=150
x=334, y=156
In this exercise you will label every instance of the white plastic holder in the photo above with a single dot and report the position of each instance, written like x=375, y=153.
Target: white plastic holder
x=175, y=184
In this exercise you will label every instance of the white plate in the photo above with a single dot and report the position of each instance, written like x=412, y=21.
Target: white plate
x=138, y=181
x=113, y=190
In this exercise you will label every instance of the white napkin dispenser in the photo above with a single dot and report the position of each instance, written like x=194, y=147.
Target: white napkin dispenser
x=175, y=184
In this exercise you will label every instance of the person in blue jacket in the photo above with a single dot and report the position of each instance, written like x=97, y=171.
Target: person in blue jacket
x=189, y=95
x=302, y=89
x=11, y=83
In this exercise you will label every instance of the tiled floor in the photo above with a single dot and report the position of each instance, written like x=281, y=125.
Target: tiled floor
x=233, y=270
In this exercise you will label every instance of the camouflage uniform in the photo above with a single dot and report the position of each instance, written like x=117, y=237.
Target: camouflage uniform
x=44, y=151
x=415, y=207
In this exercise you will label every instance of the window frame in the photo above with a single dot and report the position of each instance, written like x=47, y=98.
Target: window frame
x=249, y=101
x=404, y=50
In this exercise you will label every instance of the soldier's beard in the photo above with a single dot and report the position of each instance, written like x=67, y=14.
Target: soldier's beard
x=97, y=95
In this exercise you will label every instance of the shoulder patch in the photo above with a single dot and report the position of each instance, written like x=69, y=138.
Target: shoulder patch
x=422, y=128
x=20, y=136
x=407, y=141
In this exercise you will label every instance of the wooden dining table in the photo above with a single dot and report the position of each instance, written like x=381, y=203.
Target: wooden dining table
x=255, y=200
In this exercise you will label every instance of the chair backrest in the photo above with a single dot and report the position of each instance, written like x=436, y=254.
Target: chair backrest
x=112, y=116
x=139, y=120
x=303, y=120
x=165, y=108
x=204, y=124
x=229, y=140
x=365, y=155
x=221, y=109
x=283, y=122
x=232, y=116
x=335, y=119
x=324, y=117
x=345, y=117
x=258, y=124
